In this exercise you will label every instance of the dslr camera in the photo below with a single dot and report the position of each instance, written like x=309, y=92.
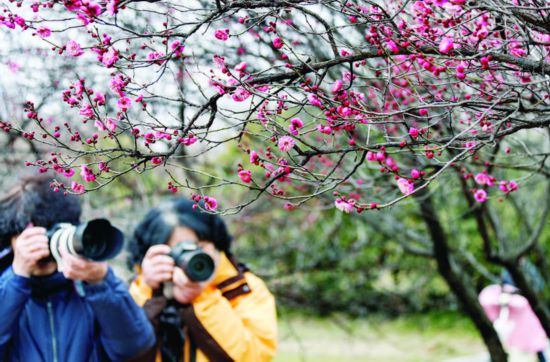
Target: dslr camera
x=95, y=240
x=195, y=263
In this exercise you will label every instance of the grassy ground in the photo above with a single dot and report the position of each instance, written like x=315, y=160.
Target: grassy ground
x=426, y=338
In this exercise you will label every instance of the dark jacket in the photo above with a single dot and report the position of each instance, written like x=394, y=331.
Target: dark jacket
x=45, y=319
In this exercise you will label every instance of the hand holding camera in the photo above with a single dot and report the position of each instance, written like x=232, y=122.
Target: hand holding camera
x=79, y=250
x=157, y=267
x=78, y=268
x=186, y=265
x=185, y=290
x=30, y=247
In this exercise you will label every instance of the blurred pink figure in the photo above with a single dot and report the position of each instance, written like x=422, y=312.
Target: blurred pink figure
x=513, y=318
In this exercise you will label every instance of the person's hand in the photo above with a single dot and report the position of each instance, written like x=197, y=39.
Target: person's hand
x=157, y=267
x=78, y=268
x=30, y=247
x=185, y=291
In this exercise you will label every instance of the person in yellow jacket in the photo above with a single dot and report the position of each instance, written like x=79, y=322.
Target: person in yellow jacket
x=230, y=317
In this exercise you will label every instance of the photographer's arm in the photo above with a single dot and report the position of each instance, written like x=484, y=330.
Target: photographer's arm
x=124, y=329
x=241, y=329
x=15, y=291
x=15, y=284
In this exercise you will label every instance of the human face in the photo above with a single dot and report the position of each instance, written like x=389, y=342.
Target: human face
x=185, y=234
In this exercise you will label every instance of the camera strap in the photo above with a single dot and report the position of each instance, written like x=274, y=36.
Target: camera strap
x=237, y=285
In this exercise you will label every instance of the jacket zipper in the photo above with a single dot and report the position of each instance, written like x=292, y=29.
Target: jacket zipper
x=52, y=330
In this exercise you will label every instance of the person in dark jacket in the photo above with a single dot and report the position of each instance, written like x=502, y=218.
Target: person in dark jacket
x=42, y=316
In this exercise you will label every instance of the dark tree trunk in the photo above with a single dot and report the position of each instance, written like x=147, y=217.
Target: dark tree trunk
x=511, y=263
x=457, y=280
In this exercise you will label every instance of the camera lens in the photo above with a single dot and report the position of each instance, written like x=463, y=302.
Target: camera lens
x=197, y=265
x=96, y=240
x=200, y=267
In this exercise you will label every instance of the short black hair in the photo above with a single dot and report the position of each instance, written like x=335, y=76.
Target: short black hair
x=159, y=223
x=32, y=200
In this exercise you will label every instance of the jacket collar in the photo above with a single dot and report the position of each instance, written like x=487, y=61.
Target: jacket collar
x=47, y=286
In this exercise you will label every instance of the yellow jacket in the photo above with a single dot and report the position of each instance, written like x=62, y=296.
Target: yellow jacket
x=233, y=319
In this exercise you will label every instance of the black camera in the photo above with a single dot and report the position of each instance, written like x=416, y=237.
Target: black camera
x=95, y=240
x=196, y=264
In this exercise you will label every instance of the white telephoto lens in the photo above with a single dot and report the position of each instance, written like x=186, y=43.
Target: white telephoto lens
x=62, y=237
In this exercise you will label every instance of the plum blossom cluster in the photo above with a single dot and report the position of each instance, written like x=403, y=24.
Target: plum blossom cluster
x=209, y=203
x=396, y=94
x=482, y=179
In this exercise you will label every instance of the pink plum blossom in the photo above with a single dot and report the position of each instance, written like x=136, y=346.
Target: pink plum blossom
x=222, y=34
x=74, y=49
x=240, y=95
x=278, y=43
x=157, y=160
x=324, y=129
x=405, y=186
x=446, y=45
x=295, y=124
x=112, y=7
x=371, y=156
x=20, y=21
x=99, y=98
x=413, y=132
x=100, y=125
x=124, y=103
x=508, y=187
x=87, y=174
x=314, y=100
x=286, y=143
x=343, y=206
x=254, y=158
x=110, y=57
x=390, y=162
x=480, y=195
x=392, y=46
x=117, y=84
x=189, y=140
x=219, y=61
x=86, y=110
x=289, y=207
x=245, y=176
x=241, y=67
x=111, y=124
x=219, y=87
x=415, y=173
x=77, y=188
x=337, y=86
x=155, y=57
x=483, y=179
x=210, y=203
x=44, y=32
x=68, y=173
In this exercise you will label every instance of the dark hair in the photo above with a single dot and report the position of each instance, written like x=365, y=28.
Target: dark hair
x=159, y=223
x=32, y=200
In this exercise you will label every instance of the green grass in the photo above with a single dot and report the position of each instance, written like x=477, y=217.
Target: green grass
x=426, y=338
